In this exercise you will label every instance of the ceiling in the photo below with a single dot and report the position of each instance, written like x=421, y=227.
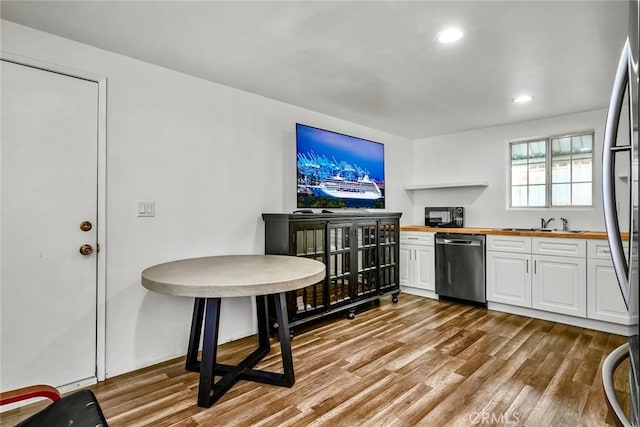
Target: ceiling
x=376, y=63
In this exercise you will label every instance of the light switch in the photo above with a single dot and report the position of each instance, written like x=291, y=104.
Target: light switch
x=146, y=208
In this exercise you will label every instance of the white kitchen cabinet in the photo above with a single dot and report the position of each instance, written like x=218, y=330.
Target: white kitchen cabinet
x=559, y=284
x=509, y=278
x=568, y=280
x=509, y=270
x=559, y=275
x=417, y=262
x=604, y=299
x=541, y=273
x=519, y=244
x=599, y=249
x=559, y=247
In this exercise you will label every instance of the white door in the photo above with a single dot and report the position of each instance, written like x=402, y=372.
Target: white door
x=558, y=285
x=425, y=268
x=406, y=265
x=48, y=187
x=604, y=299
x=509, y=278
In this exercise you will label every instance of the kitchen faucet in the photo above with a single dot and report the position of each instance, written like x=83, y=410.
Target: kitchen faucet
x=545, y=223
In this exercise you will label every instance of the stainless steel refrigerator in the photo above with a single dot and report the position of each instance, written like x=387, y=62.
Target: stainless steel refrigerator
x=620, y=152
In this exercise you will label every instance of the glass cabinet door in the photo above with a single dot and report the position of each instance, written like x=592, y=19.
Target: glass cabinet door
x=308, y=242
x=367, y=259
x=339, y=263
x=389, y=252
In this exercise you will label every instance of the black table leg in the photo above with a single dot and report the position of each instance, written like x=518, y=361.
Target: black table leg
x=209, y=391
x=206, y=388
x=263, y=321
x=192, y=363
x=285, y=339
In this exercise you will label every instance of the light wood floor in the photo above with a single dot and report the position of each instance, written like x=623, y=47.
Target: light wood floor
x=420, y=362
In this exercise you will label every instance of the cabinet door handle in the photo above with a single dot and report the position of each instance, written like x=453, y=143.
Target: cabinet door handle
x=527, y=266
x=535, y=262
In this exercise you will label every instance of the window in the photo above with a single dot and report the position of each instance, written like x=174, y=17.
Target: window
x=552, y=171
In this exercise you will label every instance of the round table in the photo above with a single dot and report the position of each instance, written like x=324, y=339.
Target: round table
x=209, y=279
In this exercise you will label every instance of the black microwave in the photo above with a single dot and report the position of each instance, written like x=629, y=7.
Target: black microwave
x=447, y=217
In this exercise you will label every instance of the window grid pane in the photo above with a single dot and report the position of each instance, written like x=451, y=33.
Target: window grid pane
x=537, y=173
x=581, y=170
x=560, y=171
x=581, y=194
x=519, y=196
x=537, y=195
x=519, y=174
x=561, y=194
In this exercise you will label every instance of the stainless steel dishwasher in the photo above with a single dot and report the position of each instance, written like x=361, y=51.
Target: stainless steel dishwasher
x=460, y=267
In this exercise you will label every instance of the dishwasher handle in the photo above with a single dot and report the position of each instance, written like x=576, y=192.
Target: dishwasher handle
x=458, y=242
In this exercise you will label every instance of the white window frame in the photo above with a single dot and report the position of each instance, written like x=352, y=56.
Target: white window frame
x=548, y=172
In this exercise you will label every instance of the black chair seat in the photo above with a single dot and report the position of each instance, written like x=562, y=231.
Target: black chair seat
x=79, y=409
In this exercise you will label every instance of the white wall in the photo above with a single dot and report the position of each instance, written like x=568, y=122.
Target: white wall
x=483, y=155
x=213, y=158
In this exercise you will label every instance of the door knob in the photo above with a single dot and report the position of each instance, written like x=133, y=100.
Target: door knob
x=86, y=250
x=86, y=226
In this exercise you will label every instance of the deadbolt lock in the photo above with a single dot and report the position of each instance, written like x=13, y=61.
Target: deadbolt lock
x=86, y=226
x=86, y=250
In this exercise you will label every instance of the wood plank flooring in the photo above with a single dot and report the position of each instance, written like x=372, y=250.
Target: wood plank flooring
x=420, y=362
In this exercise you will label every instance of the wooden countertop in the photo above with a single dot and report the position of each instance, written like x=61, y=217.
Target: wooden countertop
x=511, y=232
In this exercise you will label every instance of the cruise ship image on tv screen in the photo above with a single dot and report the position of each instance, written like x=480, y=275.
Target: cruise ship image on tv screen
x=338, y=171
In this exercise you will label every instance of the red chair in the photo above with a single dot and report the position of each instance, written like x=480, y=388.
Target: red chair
x=78, y=409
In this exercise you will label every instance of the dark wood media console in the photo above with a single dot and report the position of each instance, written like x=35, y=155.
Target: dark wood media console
x=360, y=251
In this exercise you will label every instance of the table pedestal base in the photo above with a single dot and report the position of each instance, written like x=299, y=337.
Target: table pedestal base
x=208, y=309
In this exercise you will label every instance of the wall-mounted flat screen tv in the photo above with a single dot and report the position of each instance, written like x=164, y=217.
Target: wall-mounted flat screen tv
x=338, y=171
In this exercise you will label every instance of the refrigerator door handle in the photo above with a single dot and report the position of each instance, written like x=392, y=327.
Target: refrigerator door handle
x=608, y=174
x=608, y=369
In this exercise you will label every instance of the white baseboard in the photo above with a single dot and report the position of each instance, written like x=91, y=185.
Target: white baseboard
x=419, y=292
x=598, y=325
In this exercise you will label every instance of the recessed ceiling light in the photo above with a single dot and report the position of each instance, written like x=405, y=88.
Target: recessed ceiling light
x=450, y=35
x=522, y=98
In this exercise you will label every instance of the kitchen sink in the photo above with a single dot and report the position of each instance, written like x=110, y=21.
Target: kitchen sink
x=526, y=229
x=544, y=230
